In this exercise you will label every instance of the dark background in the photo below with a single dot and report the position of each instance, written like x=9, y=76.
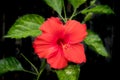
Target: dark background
x=96, y=67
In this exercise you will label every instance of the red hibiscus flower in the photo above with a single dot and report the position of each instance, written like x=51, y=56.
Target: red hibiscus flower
x=60, y=43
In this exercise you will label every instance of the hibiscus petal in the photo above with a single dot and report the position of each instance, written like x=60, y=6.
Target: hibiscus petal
x=75, y=31
x=44, y=45
x=43, y=51
x=75, y=53
x=52, y=25
x=57, y=60
x=45, y=38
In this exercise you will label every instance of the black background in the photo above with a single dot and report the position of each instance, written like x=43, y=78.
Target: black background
x=96, y=67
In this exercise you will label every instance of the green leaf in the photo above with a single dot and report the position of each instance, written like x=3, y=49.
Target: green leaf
x=27, y=25
x=92, y=2
x=76, y=3
x=99, y=9
x=95, y=43
x=10, y=64
x=57, y=5
x=88, y=17
x=70, y=73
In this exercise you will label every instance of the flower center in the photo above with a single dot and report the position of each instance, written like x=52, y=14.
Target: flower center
x=60, y=42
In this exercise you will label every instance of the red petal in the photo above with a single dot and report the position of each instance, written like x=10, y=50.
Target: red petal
x=75, y=53
x=75, y=31
x=45, y=38
x=57, y=60
x=44, y=45
x=43, y=51
x=52, y=25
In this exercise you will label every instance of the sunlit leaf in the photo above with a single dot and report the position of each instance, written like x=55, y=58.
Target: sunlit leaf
x=10, y=64
x=76, y=3
x=99, y=9
x=57, y=5
x=95, y=43
x=70, y=73
x=27, y=25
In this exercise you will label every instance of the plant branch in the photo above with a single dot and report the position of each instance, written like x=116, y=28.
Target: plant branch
x=64, y=12
x=41, y=69
x=30, y=63
x=30, y=72
x=62, y=17
x=73, y=14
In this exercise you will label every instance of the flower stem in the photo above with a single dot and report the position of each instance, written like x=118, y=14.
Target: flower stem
x=39, y=74
x=30, y=63
x=62, y=18
x=81, y=11
x=41, y=69
x=77, y=13
x=64, y=12
x=73, y=14
x=30, y=72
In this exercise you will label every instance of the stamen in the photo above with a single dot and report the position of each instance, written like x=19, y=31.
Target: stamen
x=61, y=43
x=66, y=46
